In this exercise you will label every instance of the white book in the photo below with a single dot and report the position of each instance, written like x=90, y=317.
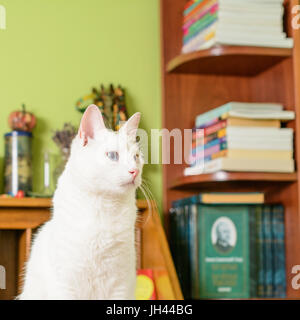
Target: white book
x=260, y=144
x=250, y=36
x=262, y=114
x=285, y=43
x=242, y=20
x=240, y=108
x=250, y=7
x=257, y=2
x=259, y=132
x=266, y=30
x=251, y=165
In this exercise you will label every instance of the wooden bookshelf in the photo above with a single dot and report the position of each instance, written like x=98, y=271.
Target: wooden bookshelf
x=229, y=60
x=217, y=179
x=197, y=82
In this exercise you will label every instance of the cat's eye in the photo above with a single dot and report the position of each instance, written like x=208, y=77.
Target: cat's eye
x=136, y=157
x=113, y=155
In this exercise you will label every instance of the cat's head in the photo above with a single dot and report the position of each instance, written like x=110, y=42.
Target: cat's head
x=105, y=161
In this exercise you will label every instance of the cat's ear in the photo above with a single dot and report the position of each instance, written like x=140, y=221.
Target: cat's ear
x=91, y=122
x=132, y=125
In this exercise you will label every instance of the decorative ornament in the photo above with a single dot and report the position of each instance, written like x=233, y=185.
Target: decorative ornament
x=22, y=120
x=111, y=103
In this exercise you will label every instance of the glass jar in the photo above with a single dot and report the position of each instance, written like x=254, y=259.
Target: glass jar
x=18, y=162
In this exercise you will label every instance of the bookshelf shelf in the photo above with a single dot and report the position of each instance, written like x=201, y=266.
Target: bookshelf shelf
x=229, y=60
x=205, y=180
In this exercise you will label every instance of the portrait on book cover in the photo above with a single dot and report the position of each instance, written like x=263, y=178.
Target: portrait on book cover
x=224, y=235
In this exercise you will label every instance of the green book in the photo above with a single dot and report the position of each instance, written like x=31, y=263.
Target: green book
x=193, y=250
x=253, y=254
x=267, y=251
x=223, y=251
x=259, y=253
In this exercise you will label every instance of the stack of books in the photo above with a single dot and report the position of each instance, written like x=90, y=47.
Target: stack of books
x=233, y=22
x=229, y=246
x=242, y=137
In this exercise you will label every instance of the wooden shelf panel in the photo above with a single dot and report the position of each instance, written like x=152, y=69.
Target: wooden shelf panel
x=205, y=180
x=229, y=60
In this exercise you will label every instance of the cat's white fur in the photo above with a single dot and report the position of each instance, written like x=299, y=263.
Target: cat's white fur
x=86, y=250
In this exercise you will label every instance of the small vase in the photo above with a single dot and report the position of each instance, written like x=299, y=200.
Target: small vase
x=64, y=156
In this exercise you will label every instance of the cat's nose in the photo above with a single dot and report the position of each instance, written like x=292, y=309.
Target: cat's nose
x=134, y=173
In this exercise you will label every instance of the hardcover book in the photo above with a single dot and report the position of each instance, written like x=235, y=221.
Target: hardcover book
x=223, y=251
x=267, y=251
x=278, y=248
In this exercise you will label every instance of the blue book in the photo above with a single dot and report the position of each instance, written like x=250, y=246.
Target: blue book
x=278, y=244
x=267, y=249
x=209, y=145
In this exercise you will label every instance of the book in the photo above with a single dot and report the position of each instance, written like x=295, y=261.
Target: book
x=230, y=197
x=195, y=10
x=209, y=9
x=287, y=43
x=278, y=248
x=267, y=251
x=186, y=253
x=260, y=270
x=235, y=23
x=224, y=252
x=198, y=140
x=199, y=26
x=274, y=138
x=253, y=262
x=247, y=165
x=194, y=251
x=227, y=248
x=258, y=115
x=258, y=154
x=236, y=106
x=243, y=122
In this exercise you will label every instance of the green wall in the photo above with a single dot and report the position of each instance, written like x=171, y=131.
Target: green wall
x=54, y=51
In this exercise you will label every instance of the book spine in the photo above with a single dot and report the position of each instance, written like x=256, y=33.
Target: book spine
x=180, y=248
x=200, y=141
x=208, y=145
x=199, y=157
x=259, y=252
x=186, y=253
x=195, y=11
x=278, y=237
x=208, y=10
x=198, y=27
x=193, y=249
x=172, y=215
x=216, y=127
x=190, y=5
x=253, y=251
x=267, y=248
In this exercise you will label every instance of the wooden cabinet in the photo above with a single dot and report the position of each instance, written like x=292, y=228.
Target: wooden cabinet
x=19, y=218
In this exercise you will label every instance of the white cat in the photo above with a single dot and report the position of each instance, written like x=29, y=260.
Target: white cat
x=86, y=250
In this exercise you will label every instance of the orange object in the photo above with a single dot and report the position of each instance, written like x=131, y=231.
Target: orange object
x=22, y=120
x=20, y=194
